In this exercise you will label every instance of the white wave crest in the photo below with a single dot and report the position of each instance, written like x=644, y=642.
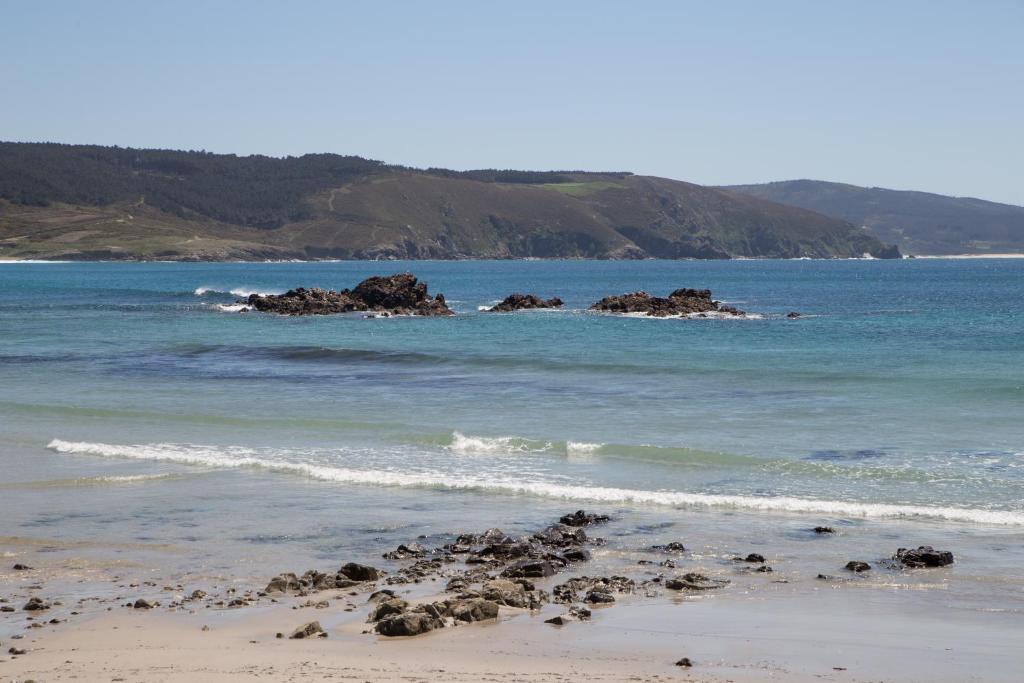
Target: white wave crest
x=127, y=478
x=237, y=457
x=463, y=443
x=243, y=292
x=573, y=447
x=233, y=308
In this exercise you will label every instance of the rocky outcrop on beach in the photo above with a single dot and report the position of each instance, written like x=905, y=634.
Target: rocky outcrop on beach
x=521, y=302
x=690, y=302
x=399, y=294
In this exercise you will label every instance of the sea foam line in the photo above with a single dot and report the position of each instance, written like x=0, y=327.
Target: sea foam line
x=236, y=457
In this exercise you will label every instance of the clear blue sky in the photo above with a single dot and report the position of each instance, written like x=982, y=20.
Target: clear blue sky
x=910, y=95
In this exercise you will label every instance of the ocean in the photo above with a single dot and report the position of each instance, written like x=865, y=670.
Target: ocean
x=138, y=406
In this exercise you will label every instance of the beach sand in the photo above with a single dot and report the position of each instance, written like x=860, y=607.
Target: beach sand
x=836, y=633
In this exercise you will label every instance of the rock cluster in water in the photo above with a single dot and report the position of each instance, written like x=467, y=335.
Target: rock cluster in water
x=680, y=302
x=399, y=294
x=522, y=302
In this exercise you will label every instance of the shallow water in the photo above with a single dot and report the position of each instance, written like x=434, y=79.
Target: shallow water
x=134, y=408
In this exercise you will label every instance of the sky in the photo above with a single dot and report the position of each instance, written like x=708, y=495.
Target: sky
x=908, y=95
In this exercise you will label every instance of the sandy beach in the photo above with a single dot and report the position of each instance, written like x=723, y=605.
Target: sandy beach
x=836, y=630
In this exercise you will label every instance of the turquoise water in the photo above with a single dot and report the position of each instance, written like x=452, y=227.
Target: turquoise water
x=133, y=405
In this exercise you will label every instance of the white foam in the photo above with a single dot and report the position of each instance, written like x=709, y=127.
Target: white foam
x=572, y=447
x=233, y=308
x=128, y=478
x=463, y=443
x=243, y=292
x=236, y=457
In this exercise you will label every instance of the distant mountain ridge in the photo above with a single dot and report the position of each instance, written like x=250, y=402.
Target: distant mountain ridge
x=91, y=202
x=919, y=222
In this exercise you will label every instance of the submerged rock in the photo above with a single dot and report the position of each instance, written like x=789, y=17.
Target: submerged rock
x=35, y=605
x=694, y=582
x=581, y=518
x=520, y=302
x=824, y=530
x=857, y=566
x=399, y=294
x=679, y=302
x=923, y=556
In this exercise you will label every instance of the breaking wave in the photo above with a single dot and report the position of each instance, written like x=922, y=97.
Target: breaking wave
x=238, y=457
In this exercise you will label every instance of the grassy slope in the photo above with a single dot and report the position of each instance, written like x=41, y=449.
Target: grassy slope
x=919, y=222
x=403, y=213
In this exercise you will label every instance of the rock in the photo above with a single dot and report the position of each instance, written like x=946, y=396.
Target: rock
x=359, y=572
x=35, y=605
x=673, y=547
x=382, y=594
x=679, y=302
x=6, y=608
x=792, y=315
x=764, y=569
x=519, y=302
x=754, y=557
x=512, y=594
x=599, y=597
x=581, y=518
x=824, y=530
x=857, y=566
x=923, y=556
x=694, y=582
x=310, y=630
x=143, y=604
x=529, y=569
x=561, y=535
x=560, y=620
x=16, y=651
x=475, y=609
x=387, y=608
x=684, y=662
x=577, y=555
x=19, y=567
x=408, y=624
x=198, y=594
x=399, y=294
x=405, y=552
x=284, y=583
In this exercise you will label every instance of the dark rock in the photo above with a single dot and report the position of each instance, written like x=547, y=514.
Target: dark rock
x=577, y=555
x=21, y=567
x=16, y=651
x=684, y=662
x=694, y=582
x=405, y=552
x=581, y=518
x=6, y=608
x=824, y=530
x=382, y=594
x=408, y=624
x=673, y=547
x=887, y=251
x=198, y=594
x=310, y=630
x=529, y=569
x=561, y=535
x=754, y=557
x=679, y=302
x=359, y=572
x=923, y=556
x=599, y=597
x=399, y=294
x=35, y=605
x=142, y=603
x=792, y=315
x=519, y=302
x=764, y=569
x=857, y=566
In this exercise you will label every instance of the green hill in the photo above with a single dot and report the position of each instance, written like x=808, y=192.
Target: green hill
x=89, y=202
x=919, y=222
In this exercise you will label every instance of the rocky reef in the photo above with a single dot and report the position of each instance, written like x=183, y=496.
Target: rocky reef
x=522, y=302
x=399, y=294
x=696, y=302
